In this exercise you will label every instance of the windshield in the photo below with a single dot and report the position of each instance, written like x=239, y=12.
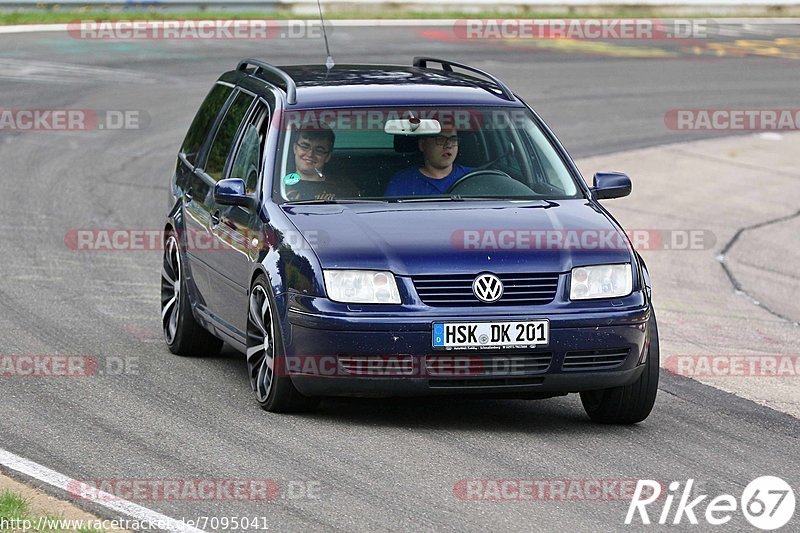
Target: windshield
x=423, y=154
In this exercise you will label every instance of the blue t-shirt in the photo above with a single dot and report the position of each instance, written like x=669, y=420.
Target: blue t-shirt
x=412, y=182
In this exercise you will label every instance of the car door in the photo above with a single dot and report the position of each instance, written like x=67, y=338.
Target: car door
x=205, y=216
x=237, y=236
x=194, y=189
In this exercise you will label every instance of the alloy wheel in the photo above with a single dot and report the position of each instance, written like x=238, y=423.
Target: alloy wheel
x=260, y=343
x=171, y=273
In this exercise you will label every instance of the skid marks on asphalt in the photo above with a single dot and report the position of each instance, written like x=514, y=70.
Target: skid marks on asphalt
x=31, y=71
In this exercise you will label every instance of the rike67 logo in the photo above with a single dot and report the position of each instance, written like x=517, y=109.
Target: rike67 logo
x=767, y=503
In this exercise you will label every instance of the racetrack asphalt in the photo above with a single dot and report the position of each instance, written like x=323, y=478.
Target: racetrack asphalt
x=380, y=464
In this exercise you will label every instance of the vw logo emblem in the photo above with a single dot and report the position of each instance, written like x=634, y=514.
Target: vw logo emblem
x=487, y=288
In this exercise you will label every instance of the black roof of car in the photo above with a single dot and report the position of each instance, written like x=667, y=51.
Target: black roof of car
x=316, y=86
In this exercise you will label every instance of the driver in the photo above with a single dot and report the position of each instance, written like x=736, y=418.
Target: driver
x=438, y=171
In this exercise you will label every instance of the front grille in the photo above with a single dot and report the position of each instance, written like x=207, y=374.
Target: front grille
x=483, y=383
x=456, y=289
x=377, y=365
x=486, y=365
x=594, y=359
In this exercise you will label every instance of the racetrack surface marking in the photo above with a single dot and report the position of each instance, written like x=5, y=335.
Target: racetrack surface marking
x=114, y=503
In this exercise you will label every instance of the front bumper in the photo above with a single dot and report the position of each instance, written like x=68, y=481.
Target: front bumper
x=587, y=351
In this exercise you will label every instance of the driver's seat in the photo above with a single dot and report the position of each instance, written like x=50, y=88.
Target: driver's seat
x=470, y=151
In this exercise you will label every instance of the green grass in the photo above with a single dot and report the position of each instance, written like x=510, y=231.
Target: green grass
x=14, y=507
x=57, y=15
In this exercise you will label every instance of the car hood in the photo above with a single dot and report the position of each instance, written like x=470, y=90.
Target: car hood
x=461, y=237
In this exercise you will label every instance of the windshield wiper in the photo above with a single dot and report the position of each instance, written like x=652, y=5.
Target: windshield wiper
x=548, y=203
x=335, y=201
x=452, y=198
x=459, y=198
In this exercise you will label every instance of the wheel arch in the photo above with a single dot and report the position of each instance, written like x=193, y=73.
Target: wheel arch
x=279, y=296
x=174, y=223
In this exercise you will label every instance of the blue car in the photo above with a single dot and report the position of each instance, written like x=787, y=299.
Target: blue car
x=381, y=230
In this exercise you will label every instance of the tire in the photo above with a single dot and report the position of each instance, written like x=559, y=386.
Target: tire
x=274, y=391
x=632, y=403
x=184, y=336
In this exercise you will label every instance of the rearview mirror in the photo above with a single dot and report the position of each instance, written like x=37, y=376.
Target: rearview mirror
x=611, y=185
x=232, y=192
x=412, y=126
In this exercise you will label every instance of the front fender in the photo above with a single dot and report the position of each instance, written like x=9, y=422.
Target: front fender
x=289, y=262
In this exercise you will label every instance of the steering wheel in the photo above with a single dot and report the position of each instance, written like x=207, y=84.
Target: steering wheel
x=493, y=183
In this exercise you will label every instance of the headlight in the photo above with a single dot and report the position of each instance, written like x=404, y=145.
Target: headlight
x=600, y=281
x=361, y=286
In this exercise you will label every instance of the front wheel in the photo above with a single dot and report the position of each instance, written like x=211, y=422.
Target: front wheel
x=273, y=387
x=632, y=403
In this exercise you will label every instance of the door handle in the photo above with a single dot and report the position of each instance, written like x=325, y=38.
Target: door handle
x=215, y=218
x=188, y=196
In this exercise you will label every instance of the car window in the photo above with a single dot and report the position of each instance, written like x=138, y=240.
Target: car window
x=376, y=139
x=555, y=176
x=226, y=134
x=247, y=161
x=503, y=150
x=203, y=121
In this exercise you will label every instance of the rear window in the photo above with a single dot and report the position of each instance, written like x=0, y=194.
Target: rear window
x=203, y=121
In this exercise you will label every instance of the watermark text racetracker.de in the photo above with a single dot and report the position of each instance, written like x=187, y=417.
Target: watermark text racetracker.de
x=545, y=490
x=47, y=120
x=65, y=366
x=143, y=240
x=732, y=366
x=210, y=489
x=403, y=366
x=582, y=239
x=463, y=119
x=733, y=119
x=585, y=29
x=193, y=30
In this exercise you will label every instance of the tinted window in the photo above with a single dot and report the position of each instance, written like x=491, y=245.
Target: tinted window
x=204, y=120
x=504, y=148
x=364, y=139
x=248, y=157
x=226, y=134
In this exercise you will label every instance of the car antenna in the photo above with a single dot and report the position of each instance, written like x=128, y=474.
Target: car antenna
x=329, y=63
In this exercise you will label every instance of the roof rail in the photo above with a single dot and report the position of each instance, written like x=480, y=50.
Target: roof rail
x=291, y=88
x=447, y=66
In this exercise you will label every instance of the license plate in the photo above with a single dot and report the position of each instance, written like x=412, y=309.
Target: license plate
x=482, y=335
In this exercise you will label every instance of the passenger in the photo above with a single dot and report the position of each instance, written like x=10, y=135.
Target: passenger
x=312, y=151
x=438, y=172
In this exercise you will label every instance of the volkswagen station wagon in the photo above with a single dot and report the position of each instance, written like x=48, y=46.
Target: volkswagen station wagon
x=385, y=230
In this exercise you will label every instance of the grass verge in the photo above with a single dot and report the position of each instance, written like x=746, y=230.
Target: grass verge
x=16, y=515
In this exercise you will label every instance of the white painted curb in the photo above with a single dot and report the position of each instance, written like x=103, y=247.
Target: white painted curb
x=109, y=501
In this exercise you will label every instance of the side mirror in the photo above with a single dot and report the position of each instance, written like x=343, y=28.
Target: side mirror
x=611, y=185
x=232, y=192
